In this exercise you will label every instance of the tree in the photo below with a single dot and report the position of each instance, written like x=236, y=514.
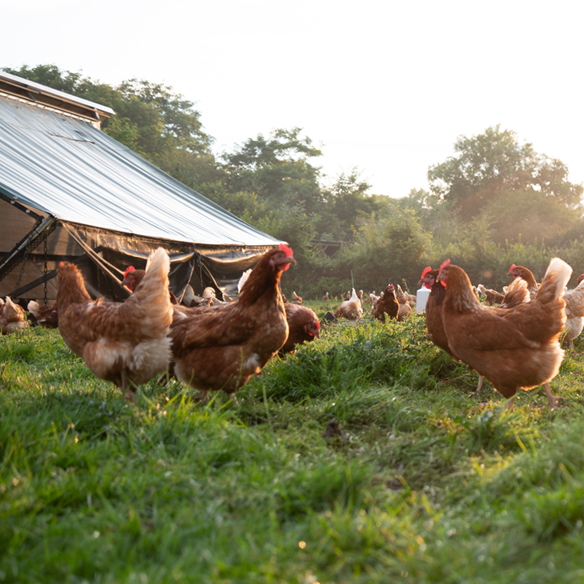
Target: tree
x=494, y=164
x=165, y=120
x=529, y=217
x=389, y=247
x=278, y=170
x=346, y=202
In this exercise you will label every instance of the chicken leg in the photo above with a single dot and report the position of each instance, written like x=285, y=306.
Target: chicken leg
x=127, y=389
x=553, y=400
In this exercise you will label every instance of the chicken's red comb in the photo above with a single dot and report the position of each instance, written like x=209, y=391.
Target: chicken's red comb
x=286, y=249
x=128, y=270
x=444, y=264
x=512, y=267
x=61, y=264
x=426, y=270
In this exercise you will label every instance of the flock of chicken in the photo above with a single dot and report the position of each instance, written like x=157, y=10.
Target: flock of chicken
x=215, y=345
x=515, y=345
x=397, y=305
x=208, y=346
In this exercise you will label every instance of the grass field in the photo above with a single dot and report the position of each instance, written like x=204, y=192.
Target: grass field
x=419, y=481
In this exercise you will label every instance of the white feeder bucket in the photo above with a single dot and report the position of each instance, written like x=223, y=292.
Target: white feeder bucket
x=421, y=298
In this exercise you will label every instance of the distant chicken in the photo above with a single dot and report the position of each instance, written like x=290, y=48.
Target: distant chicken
x=45, y=314
x=574, y=313
x=296, y=299
x=373, y=298
x=348, y=295
x=527, y=275
x=367, y=299
x=515, y=294
x=221, y=347
x=303, y=327
x=515, y=348
x=350, y=309
x=12, y=317
x=404, y=304
x=387, y=304
x=360, y=296
x=326, y=297
x=133, y=277
x=209, y=297
x=491, y=296
x=126, y=343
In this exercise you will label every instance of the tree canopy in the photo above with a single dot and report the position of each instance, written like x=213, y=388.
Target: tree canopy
x=494, y=164
x=521, y=194
x=277, y=169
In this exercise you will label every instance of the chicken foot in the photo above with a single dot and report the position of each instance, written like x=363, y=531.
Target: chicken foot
x=480, y=385
x=553, y=399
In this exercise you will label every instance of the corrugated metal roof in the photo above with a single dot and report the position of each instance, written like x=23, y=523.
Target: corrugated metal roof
x=54, y=92
x=68, y=168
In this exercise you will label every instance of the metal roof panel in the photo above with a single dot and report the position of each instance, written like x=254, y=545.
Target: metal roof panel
x=68, y=168
x=55, y=92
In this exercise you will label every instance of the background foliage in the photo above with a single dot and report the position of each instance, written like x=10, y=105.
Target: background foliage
x=494, y=202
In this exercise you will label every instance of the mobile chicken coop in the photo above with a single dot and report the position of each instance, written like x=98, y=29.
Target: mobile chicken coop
x=69, y=192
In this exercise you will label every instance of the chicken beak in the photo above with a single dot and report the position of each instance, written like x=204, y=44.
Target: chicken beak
x=284, y=264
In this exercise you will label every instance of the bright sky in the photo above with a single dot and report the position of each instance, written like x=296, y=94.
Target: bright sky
x=383, y=86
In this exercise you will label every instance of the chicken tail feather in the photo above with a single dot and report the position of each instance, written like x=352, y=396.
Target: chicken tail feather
x=152, y=294
x=517, y=294
x=555, y=280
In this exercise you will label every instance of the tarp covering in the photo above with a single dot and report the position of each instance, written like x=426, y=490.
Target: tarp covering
x=77, y=173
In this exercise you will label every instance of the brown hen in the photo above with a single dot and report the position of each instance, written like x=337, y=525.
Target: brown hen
x=123, y=342
x=221, y=347
x=45, y=314
x=386, y=304
x=515, y=348
x=303, y=327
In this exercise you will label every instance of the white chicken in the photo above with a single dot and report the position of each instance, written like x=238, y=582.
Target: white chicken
x=351, y=308
x=574, y=313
